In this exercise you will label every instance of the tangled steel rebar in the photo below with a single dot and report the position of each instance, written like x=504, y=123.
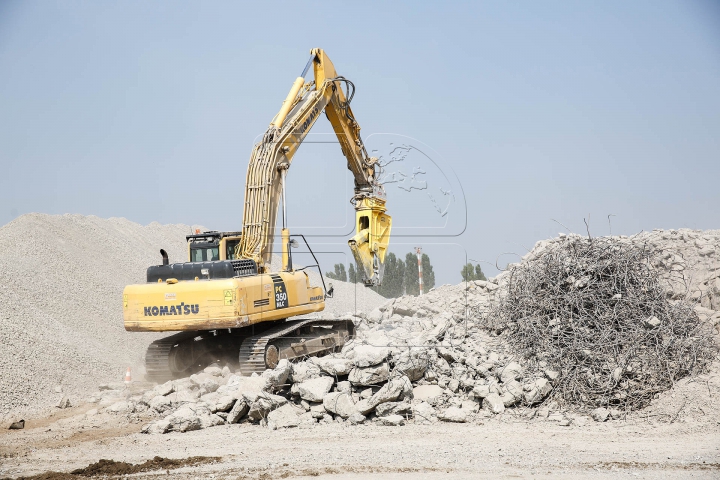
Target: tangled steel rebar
x=594, y=310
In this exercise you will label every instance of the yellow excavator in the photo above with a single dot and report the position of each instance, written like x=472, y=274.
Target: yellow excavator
x=226, y=302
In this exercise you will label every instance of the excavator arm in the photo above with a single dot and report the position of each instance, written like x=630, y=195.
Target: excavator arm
x=272, y=156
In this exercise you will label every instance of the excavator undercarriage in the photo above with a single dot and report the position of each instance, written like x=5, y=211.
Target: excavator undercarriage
x=250, y=349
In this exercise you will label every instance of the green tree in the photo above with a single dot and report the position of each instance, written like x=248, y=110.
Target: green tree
x=353, y=276
x=339, y=274
x=411, y=274
x=479, y=275
x=393, y=277
x=428, y=273
x=470, y=273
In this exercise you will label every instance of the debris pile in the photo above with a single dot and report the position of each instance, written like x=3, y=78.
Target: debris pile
x=414, y=359
x=433, y=358
x=594, y=312
x=410, y=362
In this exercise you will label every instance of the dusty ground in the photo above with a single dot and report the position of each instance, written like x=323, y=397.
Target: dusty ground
x=497, y=448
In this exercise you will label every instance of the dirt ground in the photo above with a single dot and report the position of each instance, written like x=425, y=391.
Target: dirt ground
x=496, y=448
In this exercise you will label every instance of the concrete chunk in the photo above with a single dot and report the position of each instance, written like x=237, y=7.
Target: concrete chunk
x=600, y=414
x=426, y=392
x=392, y=420
x=339, y=403
x=287, y=416
x=454, y=414
x=494, y=403
x=369, y=375
x=314, y=390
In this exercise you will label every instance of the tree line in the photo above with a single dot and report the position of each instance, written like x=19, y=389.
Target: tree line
x=400, y=277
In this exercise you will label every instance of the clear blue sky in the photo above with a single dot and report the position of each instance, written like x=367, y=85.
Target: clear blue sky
x=542, y=111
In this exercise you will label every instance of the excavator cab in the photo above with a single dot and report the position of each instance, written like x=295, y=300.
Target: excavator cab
x=212, y=246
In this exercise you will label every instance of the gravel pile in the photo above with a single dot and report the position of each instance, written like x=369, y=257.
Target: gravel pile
x=61, y=312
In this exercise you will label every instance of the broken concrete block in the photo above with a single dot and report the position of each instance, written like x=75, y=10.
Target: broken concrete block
x=454, y=414
x=224, y=404
x=512, y=371
x=286, y=416
x=393, y=390
x=540, y=390
x=263, y=404
x=651, y=322
x=214, y=370
x=164, y=389
x=368, y=355
x=494, y=403
x=211, y=420
x=600, y=414
x=340, y=404
x=393, y=408
x=424, y=411
x=278, y=376
x=184, y=419
x=514, y=388
x=161, y=404
x=303, y=371
x=412, y=364
x=392, y=420
x=356, y=419
x=426, y=392
x=369, y=375
x=480, y=391
x=121, y=407
x=508, y=399
x=334, y=366
x=157, y=427
x=314, y=390
x=239, y=410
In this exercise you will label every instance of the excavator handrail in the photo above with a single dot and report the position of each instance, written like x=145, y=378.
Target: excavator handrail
x=317, y=264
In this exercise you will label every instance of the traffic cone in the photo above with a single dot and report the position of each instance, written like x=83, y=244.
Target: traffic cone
x=128, y=378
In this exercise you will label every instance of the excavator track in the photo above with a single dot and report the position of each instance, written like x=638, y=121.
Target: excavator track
x=157, y=356
x=254, y=350
x=187, y=352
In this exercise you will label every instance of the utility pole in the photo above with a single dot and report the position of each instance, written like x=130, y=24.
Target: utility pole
x=418, y=251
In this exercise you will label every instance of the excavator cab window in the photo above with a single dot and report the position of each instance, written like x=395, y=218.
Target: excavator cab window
x=230, y=249
x=204, y=253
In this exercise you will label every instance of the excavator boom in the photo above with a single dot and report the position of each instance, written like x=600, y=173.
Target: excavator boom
x=274, y=153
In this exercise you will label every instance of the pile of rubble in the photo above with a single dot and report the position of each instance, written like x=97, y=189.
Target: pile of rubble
x=407, y=364
x=414, y=359
x=594, y=310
